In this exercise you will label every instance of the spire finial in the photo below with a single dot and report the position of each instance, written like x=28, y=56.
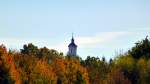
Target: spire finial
x=72, y=40
x=72, y=34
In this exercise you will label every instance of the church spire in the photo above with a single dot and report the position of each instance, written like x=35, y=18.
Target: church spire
x=72, y=35
x=72, y=47
x=72, y=40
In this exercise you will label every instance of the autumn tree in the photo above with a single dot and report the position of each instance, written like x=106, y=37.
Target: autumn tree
x=4, y=70
x=10, y=64
x=97, y=69
x=142, y=49
x=30, y=49
x=116, y=76
x=70, y=71
x=143, y=66
x=127, y=65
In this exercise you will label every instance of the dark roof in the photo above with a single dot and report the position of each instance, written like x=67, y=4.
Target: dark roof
x=72, y=44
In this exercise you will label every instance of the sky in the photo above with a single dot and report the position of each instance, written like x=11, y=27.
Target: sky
x=100, y=27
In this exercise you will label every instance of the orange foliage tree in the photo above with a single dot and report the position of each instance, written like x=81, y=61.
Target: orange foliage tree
x=9, y=62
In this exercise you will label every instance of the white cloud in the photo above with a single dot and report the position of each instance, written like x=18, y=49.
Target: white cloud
x=89, y=42
x=100, y=38
x=96, y=44
x=83, y=42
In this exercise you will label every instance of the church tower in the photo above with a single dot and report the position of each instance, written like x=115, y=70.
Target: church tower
x=72, y=48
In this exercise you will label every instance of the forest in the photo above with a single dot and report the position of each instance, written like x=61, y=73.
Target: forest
x=33, y=65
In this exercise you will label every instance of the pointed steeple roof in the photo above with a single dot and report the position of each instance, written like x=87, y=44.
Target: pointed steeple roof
x=72, y=42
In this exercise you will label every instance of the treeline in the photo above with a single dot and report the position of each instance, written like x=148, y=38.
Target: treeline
x=33, y=65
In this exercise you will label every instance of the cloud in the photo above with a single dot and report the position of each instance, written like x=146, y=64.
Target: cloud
x=96, y=44
x=99, y=38
x=89, y=42
x=83, y=42
x=103, y=38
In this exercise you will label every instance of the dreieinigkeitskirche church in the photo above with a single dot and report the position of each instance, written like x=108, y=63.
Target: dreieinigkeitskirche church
x=72, y=48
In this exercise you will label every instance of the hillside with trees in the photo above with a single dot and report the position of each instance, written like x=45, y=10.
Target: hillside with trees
x=33, y=65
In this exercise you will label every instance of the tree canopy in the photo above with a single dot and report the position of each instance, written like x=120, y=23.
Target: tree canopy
x=33, y=65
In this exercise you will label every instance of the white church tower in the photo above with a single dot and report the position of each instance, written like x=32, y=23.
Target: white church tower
x=72, y=48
